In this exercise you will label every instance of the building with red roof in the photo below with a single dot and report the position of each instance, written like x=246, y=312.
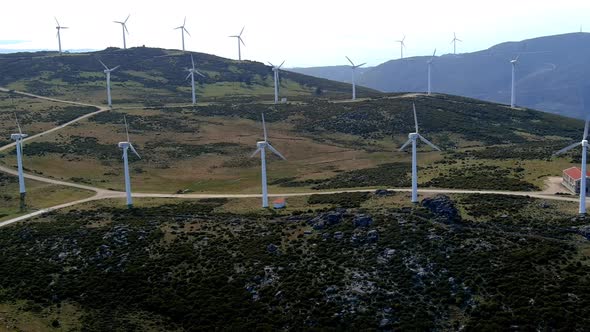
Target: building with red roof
x=571, y=179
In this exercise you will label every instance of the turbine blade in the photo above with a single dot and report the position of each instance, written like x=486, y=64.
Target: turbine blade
x=434, y=53
x=405, y=145
x=241, y=40
x=125, y=26
x=415, y=116
x=362, y=64
x=428, y=142
x=184, y=22
x=17, y=124
x=586, y=130
x=352, y=63
x=56, y=21
x=193, y=62
x=115, y=68
x=270, y=63
x=126, y=19
x=275, y=151
x=255, y=152
x=242, y=31
x=126, y=128
x=281, y=64
x=198, y=72
x=102, y=63
x=566, y=149
x=134, y=151
x=264, y=126
x=189, y=75
x=185, y=30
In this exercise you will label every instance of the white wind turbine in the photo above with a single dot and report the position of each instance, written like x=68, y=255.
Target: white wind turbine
x=124, y=27
x=108, y=71
x=584, y=144
x=59, y=27
x=513, y=89
x=412, y=138
x=354, y=67
x=182, y=31
x=275, y=70
x=429, y=62
x=401, y=46
x=454, y=42
x=240, y=40
x=18, y=138
x=261, y=147
x=125, y=146
x=191, y=73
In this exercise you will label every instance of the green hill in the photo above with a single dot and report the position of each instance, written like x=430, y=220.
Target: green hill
x=150, y=76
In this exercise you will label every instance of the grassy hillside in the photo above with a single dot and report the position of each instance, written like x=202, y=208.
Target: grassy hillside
x=150, y=76
x=327, y=145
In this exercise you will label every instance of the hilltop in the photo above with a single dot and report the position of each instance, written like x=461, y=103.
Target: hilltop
x=551, y=74
x=152, y=76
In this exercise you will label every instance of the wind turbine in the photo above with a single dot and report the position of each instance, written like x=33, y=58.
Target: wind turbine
x=59, y=27
x=124, y=27
x=454, y=42
x=275, y=69
x=412, y=138
x=182, y=31
x=240, y=40
x=18, y=138
x=584, y=144
x=191, y=73
x=513, y=94
x=429, y=62
x=354, y=67
x=401, y=46
x=126, y=146
x=261, y=147
x=108, y=71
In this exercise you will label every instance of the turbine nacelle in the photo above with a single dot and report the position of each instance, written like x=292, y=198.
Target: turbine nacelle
x=585, y=143
x=261, y=144
x=124, y=145
x=413, y=136
x=17, y=137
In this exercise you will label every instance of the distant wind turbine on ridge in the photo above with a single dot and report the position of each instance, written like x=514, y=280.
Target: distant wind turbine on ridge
x=261, y=148
x=182, y=31
x=354, y=67
x=240, y=40
x=124, y=27
x=513, y=88
x=191, y=73
x=401, y=46
x=275, y=70
x=125, y=146
x=18, y=138
x=429, y=62
x=412, y=138
x=108, y=71
x=454, y=42
x=59, y=27
x=584, y=144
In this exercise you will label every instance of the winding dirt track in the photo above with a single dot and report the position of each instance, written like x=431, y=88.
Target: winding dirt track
x=106, y=194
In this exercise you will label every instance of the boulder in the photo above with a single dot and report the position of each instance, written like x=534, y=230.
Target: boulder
x=338, y=235
x=443, y=207
x=372, y=236
x=362, y=220
x=272, y=248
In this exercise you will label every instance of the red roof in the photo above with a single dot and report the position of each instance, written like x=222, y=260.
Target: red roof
x=575, y=173
x=279, y=201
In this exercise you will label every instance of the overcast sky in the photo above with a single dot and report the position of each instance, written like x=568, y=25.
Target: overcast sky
x=302, y=32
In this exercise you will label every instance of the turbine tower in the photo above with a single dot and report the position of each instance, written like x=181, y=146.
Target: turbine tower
x=412, y=138
x=354, y=67
x=240, y=40
x=513, y=89
x=275, y=70
x=454, y=42
x=108, y=71
x=584, y=144
x=125, y=146
x=59, y=27
x=18, y=138
x=182, y=31
x=401, y=46
x=261, y=147
x=124, y=27
x=191, y=73
x=429, y=62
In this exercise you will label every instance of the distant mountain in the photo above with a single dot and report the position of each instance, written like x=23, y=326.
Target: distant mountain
x=552, y=74
x=335, y=73
x=153, y=76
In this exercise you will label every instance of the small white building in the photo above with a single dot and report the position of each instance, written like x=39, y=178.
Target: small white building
x=571, y=179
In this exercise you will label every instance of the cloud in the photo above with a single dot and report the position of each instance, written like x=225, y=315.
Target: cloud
x=12, y=42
